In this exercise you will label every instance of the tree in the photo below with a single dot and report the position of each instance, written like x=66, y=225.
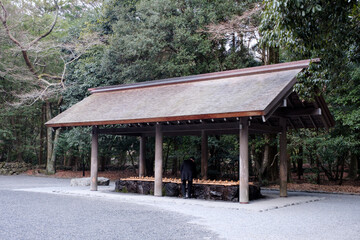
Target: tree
x=42, y=57
x=330, y=31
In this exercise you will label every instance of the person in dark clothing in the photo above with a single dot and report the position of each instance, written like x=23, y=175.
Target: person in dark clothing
x=188, y=172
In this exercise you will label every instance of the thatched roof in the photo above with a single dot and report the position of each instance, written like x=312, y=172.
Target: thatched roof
x=253, y=92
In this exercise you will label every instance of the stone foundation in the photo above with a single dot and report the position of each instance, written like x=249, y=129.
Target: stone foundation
x=208, y=191
x=14, y=168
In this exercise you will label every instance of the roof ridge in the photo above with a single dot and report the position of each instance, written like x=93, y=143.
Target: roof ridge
x=209, y=76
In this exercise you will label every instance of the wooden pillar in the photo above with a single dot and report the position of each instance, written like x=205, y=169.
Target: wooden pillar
x=283, y=159
x=244, y=161
x=158, y=161
x=94, y=159
x=142, y=157
x=204, y=154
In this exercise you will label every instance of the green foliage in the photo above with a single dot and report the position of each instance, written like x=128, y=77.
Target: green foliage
x=316, y=28
x=161, y=39
x=124, y=190
x=18, y=134
x=331, y=32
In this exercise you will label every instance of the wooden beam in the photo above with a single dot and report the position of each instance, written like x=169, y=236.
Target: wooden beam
x=160, y=119
x=204, y=154
x=292, y=125
x=301, y=122
x=191, y=129
x=244, y=161
x=255, y=127
x=277, y=101
x=283, y=159
x=312, y=121
x=127, y=130
x=298, y=112
x=158, y=160
x=142, y=157
x=94, y=159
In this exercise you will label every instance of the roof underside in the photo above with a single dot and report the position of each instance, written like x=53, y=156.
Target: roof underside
x=254, y=92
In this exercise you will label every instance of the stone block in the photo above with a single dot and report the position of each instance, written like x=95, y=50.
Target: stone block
x=86, y=181
x=172, y=189
x=200, y=191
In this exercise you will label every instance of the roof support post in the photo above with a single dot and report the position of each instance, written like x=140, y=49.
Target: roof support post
x=244, y=161
x=204, y=154
x=283, y=159
x=142, y=157
x=158, y=160
x=94, y=159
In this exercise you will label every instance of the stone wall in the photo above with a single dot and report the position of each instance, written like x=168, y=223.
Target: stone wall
x=14, y=168
x=200, y=191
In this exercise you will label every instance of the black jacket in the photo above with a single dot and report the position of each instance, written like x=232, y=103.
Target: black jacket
x=188, y=170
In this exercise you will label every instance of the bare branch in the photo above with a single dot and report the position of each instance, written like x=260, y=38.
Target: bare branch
x=238, y=24
x=39, y=96
x=14, y=40
x=50, y=29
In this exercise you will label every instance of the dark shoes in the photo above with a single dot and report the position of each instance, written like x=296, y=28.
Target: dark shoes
x=186, y=196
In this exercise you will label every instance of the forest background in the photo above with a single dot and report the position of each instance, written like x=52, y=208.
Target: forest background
x=52, y=51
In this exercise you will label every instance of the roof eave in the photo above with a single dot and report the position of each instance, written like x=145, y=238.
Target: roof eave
x=162, y=119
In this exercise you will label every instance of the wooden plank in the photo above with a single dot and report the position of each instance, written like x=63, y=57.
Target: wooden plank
x=94, y=159
x=158, y=161
x=244, y=161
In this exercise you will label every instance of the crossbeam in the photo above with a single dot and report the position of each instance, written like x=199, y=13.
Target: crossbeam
x=190, y=129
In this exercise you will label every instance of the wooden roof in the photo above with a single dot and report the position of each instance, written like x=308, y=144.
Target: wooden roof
x=255, y=92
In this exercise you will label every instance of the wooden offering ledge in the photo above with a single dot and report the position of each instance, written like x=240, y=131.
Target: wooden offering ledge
x=195, y=181
x=202, y=189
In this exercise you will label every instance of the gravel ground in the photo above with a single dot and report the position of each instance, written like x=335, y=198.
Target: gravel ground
x=31, y=215
x=74, y=213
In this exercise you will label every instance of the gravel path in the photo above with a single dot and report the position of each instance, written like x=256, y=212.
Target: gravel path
x=33, y=215
x=48, y=208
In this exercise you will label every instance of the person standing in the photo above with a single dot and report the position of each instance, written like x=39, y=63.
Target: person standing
x=188, y=172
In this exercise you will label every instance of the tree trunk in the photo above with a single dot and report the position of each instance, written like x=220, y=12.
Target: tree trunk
x=103, y=163
x=300, y=163
x=50, y=167
x=55, y=146
x=337, y=168
x=353, y=166
x=342, y=169
x=289, y=176
x=272, y=56
x=169, y=141
x=266, y=156
x=52, y=143
x=318, y=180
x=41, y=147
x=272, y=172
x=176, y=159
